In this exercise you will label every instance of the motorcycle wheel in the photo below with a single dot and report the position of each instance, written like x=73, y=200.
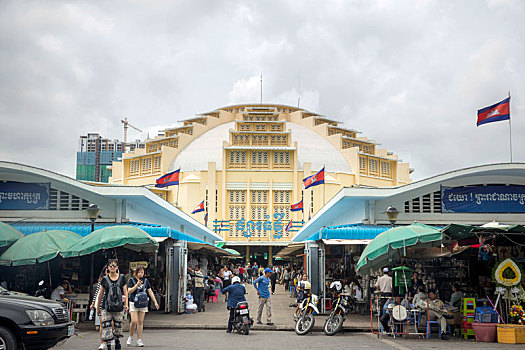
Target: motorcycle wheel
x=333, y=324
x=304, y=324
x=246, y=329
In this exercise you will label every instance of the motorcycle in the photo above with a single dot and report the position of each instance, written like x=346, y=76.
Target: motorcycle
x=41, y=292
x=305, y=319
x=242, y=321
x=341, y=308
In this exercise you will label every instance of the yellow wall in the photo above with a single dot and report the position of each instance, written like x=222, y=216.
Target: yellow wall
x=193, y=185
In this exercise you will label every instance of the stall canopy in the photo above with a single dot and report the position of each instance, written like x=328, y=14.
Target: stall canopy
x=291, y=249
x=459, y=232
x=394, y=243
x=38, y=247
x=349, y=232
x=8, y=235
x=129, y=237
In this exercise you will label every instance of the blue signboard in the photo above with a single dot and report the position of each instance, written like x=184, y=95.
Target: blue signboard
x=483, y=199
x=24, y=196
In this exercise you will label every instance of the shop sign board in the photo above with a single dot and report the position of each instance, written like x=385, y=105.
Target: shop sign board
x=24, y=196
x=483, y=199
x=247, y=229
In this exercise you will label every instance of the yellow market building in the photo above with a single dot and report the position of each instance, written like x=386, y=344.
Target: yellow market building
x=247, y=163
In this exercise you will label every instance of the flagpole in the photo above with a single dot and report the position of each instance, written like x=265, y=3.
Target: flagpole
x=177, y=200
x=324, y=185
x=302, y=209
x=510, y=132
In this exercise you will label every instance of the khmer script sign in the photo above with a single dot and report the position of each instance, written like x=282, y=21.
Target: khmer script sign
x=248, y=228
x=24, y=196
x=483, y=199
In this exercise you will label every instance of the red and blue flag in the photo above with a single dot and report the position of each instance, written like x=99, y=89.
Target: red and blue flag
x=297, y=206
x=288, y=227
x=198, y=208
x=314, y=180
x=495, y=113
x=169, y=179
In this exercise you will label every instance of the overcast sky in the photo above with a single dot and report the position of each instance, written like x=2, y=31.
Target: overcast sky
x=408, y=74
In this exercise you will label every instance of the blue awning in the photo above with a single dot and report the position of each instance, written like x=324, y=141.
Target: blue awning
x=352, y=231
x=83, y=229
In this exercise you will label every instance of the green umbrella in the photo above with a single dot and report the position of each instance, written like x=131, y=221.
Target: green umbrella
x=391, y=245
x=129, y=237
x=38, y=247
x=8, y=235
x=232, y=251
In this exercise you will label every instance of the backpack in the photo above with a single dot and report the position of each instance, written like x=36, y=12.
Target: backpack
x=141, y=297
x=114, y=295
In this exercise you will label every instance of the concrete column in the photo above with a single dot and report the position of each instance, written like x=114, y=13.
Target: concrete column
x=247, y=254
x=270, y=261
x=311, y=250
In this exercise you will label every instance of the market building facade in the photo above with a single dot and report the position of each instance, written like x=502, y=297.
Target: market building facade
x=35, y=200
x=247, y=162
x=488, y=196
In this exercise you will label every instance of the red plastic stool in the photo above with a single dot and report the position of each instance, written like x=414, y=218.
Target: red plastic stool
x=329, y=302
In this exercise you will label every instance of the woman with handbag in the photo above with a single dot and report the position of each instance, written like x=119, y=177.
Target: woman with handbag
x=139, y=288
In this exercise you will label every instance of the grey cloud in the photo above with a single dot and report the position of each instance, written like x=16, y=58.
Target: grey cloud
x=409, y=74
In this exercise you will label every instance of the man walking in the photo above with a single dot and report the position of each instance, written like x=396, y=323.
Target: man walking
x=262, y=284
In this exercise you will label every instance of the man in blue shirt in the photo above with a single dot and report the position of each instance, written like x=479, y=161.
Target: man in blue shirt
x=236, y=296
x=262, y=285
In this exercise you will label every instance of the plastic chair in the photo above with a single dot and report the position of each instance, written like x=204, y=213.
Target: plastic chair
x=439, y=328
x=214, y=298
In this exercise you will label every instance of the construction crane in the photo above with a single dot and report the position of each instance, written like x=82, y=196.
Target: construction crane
x=126, y=124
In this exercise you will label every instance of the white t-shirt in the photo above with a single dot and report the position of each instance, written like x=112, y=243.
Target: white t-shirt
x=227, y=275
x=57, y=292
x=385, y=284
x=357, y=292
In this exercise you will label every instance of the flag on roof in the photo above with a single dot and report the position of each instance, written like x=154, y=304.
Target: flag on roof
x=495, y=113
x=288, y=227
x=315, y=179
x=169, y=179
x=297, y=206
x=198, y=208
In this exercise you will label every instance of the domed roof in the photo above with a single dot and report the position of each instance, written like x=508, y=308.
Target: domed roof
x=311, y=147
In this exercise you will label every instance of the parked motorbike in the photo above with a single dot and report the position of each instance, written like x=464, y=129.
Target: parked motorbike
x=41, y=292
x=305, y=319
x=242, y=321
x=342, y=307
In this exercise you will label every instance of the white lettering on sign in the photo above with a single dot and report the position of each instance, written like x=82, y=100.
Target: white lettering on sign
x=28, y=197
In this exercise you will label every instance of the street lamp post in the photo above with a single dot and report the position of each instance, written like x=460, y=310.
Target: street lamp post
x=92, y=213
x=392, y=214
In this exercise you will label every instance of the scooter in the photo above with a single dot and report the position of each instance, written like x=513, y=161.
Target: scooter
x=41, y=292
x=242, y=321
x=305, y=320
x=342, y=307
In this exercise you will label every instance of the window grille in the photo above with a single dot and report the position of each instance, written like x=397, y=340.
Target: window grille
x=260, y=127
x=259, y=196
x=281, y=158
x=362, y=165
x=279, y=140
x=385, y=168
x=236, y=210
x=237, y=196
x=259, y=158
x=174, y=143
x=281, y=196
x=276, y=127
x=146, y=164
x=368, y=149
x=373, y=166
x=259, y=140
x=244, y=127
x=259, y=209
x=156, y=162
x=237, y=159
x=134, y=167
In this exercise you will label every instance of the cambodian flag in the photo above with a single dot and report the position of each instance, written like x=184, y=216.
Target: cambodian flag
x=198, y=208
x=315, y=179
x=495, y=113
x=288, y=227
x=297, y=206
x=169, y=179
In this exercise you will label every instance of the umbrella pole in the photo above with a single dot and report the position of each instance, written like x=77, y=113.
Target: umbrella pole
x=49, y=273
x=91, y=275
